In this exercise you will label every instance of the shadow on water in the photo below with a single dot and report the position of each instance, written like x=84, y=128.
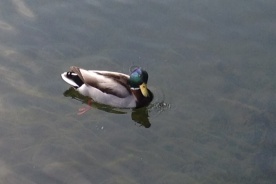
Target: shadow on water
x=140, y=116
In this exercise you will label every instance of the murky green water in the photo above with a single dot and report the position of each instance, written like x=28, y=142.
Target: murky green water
x=211, y=66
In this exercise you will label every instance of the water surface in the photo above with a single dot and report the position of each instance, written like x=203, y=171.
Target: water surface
x=211, y=66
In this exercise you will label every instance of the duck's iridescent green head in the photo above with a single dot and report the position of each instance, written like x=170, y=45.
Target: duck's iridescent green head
x=138, y=80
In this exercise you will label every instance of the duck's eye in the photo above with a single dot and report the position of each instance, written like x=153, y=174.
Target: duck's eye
x=136, y=78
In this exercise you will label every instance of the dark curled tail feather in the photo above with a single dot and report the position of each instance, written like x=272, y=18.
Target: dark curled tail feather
x=74, y=77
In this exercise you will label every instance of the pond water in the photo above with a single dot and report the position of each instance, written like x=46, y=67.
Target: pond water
x=211, y=66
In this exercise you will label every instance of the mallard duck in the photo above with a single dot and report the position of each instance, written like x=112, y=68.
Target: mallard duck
x=111, y=88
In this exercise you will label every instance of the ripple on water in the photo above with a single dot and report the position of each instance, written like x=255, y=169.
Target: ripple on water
x=159, y=104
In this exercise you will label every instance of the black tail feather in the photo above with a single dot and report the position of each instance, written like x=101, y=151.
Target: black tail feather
x=74, y=77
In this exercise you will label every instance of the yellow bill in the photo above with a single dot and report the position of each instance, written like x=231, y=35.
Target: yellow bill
x=144, y=89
